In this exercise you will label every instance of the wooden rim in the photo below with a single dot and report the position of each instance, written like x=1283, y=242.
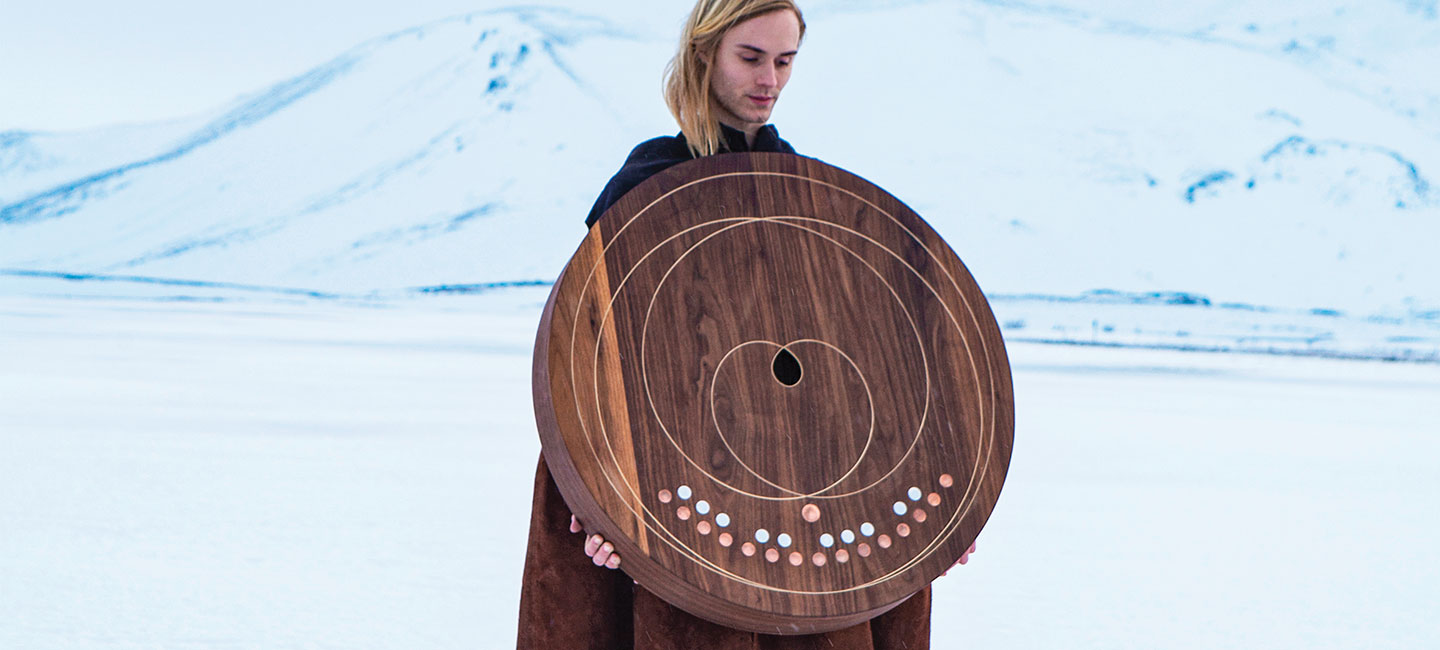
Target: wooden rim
x=670, y=417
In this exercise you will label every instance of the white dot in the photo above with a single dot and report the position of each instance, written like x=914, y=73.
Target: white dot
x=702, y=507
x=783, y=540
x=762, y=536
x=722, y=520
x=683, y=492
x=914, y=494
x=827, y=540
x=867, y=529
x=900, y=508
x=847, y=536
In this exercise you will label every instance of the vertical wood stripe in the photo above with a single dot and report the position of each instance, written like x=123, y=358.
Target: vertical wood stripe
x=617, y=431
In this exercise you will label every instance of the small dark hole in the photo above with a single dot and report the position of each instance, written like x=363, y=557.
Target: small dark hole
x=786, y=368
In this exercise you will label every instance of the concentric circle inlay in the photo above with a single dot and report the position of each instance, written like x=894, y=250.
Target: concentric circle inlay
x=765, y=344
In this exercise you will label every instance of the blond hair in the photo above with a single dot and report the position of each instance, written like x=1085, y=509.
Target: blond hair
x=687, y=78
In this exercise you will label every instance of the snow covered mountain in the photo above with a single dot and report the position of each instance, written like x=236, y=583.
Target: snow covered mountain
x=412, y=158
x=1283, y=155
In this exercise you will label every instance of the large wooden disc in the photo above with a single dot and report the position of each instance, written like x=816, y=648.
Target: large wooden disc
x=776, y=390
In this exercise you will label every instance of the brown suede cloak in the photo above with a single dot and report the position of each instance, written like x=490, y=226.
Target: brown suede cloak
x=568, y=603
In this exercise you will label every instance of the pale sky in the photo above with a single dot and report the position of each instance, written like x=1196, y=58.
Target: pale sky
x=72, y=64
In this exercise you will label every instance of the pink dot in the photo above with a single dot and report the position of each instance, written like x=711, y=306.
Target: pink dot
x=683, y=513
x=842, y=556
x=818, y=559
x=665, y=496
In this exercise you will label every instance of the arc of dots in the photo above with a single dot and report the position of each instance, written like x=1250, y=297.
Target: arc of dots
x=811, y=514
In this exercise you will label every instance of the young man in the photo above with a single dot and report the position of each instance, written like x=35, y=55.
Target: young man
x=734, y=60
x=721, y=87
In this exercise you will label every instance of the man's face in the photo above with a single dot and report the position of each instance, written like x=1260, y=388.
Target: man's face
x=751, y=66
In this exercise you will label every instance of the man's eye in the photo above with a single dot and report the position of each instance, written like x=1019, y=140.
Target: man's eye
x=751, y=59
x=782, y=62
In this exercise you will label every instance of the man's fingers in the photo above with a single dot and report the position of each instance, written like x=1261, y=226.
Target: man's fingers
x=964, y=559
x=601, y=552
x=575, y=526
x=603, y=555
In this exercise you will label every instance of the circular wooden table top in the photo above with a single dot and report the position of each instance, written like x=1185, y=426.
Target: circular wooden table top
x=776, y=390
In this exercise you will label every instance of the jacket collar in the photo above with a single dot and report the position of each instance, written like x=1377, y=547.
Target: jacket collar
x=766, y=139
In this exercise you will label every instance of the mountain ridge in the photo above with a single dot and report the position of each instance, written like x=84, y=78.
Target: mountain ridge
x=458, y=151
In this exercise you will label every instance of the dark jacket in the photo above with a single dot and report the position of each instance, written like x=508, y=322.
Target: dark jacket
x=654, y=156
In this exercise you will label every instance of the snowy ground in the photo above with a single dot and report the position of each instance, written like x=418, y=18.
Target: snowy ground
x=287, y=473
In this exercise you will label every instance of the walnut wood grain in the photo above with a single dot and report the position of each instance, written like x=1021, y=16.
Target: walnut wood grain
x=655, y=372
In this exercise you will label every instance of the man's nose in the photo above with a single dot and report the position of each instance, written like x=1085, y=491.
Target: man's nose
x=769, y=77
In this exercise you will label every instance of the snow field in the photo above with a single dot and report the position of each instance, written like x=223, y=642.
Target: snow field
x=324, y=474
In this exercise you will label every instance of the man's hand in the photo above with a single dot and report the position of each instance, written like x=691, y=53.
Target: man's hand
x=963, y=559
x=601, y=552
